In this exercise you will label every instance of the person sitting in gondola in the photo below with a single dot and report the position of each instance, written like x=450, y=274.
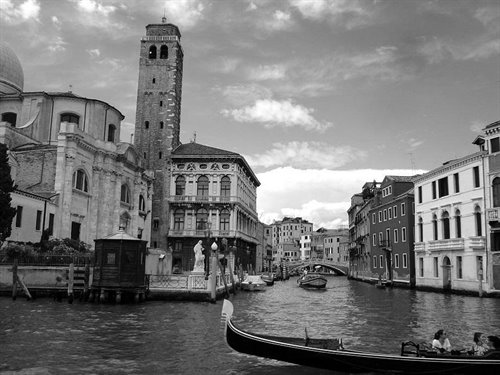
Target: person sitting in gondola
x=441, y=341
x=479, y=346
x=494, y=343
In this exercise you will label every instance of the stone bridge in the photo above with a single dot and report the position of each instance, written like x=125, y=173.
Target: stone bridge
x=335, y=267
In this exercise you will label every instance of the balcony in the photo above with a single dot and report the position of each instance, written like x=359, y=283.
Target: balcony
x=419, y=246
x=451, y=244
x=477, y=243
x=493, y=214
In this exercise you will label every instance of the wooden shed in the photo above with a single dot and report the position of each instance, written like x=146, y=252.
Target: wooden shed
x=120, y=263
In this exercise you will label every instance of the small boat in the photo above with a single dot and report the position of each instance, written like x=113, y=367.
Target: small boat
x=330, y=354
x=253, y=283
x=268, y=278
x=312, y=280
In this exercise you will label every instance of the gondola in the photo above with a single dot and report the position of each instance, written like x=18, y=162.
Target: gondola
x=331, y=355
x=312, y=280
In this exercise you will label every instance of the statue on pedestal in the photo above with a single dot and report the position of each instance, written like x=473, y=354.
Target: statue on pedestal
x=199, y=258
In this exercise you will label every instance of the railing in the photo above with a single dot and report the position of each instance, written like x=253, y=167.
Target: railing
x=188, y=282
x=49, y=260
x=477, y=243
x=451, y=244
x=492, y=214
x=419, y=246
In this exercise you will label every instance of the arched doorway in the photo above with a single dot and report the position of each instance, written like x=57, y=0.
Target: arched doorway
x=446, y=273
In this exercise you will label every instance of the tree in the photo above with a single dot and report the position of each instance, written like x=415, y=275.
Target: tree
x=6, y=187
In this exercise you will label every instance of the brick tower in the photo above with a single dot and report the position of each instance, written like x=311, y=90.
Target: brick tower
x=157, y=123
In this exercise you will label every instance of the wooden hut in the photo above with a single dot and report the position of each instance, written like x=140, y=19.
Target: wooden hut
x=120, y=263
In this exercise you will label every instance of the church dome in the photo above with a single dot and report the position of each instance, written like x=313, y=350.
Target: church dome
x=11, y=71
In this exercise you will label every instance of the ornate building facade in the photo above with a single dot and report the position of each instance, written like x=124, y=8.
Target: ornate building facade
x=214, y=194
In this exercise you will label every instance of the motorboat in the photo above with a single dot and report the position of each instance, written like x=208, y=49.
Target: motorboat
x=253, y=283
x=312, y=280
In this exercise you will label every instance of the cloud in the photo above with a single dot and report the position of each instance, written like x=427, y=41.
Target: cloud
x=438, y=50
x=303, y=155
x=94, y=52
x=318, y=195
x=57, y=45
x=241, y=95
x=224, y=65
x=266, y=72
x=412, y=143
x=19, y=12
x=273, y=113
x=186, y=13
x=56, y=22
x=94, y=7
x=279, y=21
x=350, y=13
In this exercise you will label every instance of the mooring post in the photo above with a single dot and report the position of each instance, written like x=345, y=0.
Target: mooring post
x=86, y=282
x=71, y=277
x=14, y=280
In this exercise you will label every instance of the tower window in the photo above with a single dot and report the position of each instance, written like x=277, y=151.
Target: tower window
x=163, y=52
x=146, y=124
x=161, y=124
x=152, y=52
x=160, y=155
x=145, y=156
x=111, y=133
x=161, y=103
x=154, y=80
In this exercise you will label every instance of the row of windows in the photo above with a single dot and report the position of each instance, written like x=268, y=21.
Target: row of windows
x=161, y=124
x=381, y=263
x=201, y=219
x=388, y=213
x=395, y=238
x=38, y=220
x=11, y=118
x=440, y=187
x=81, y=183
x=202, y=186
x=445, y=225
x=386, y=191
x=458, y=267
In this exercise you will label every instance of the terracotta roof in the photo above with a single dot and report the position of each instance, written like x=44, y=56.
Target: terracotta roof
x=194, y=149
x=401, y=178
x=492, y=125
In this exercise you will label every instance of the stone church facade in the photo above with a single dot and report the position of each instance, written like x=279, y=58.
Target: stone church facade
x=65, y=151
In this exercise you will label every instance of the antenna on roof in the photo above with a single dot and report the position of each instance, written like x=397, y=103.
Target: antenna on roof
x=70, y=88
x=194, y=138
x=412, y=162
x=164, y=18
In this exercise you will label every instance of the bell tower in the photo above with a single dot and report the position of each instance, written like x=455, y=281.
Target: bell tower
x=158, y=112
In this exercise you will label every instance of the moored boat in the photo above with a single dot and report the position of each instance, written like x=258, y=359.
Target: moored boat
x=268, y=278
x=253, y=283
x=330, y=354
x=312, y=280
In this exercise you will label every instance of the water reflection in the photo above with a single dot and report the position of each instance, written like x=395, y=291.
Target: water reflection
x=43, y=336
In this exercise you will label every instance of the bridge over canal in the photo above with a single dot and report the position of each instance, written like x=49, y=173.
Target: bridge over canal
x=311, y=264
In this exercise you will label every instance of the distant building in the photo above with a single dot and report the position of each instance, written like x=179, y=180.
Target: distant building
x=286, y=237
x=333, y=249
x=391, y=228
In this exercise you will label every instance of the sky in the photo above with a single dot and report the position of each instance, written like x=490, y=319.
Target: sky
x=318, y=96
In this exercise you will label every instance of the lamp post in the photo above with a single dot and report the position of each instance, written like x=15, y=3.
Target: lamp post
x=213, y=280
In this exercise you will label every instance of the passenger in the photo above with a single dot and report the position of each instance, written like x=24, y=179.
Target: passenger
x=479, y=347
x=441, y=341
x=494, y=343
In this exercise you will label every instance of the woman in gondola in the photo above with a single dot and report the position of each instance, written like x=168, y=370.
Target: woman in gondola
x=441, y=341
x=479, y=346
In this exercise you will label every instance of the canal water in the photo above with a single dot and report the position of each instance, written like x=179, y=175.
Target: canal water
x=48, y=337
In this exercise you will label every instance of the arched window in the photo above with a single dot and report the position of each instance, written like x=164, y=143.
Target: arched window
x=70, y=117
x=202, y=186
x=161, y=124
x=111, y=133
x=201, y=219
x=125, y=194
x=180, y=185
x=80, y=181
x=142, y=203
x=152, y=52
x=458, y=224
x=434, y=227
x=10, y=117
x=225, y=186
x=164, y=52
x=179, y=219
x=445, y=219
x=125, y=221
x=478, y=220
x=421, y=229
x=496, y=192
x=224, y=220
